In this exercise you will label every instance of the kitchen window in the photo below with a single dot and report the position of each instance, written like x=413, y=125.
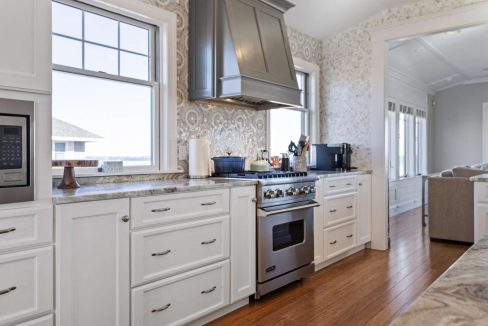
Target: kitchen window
x=285, y=125
x=108, y=101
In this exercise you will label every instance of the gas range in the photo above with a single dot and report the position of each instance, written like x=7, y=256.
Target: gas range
x=279, y=187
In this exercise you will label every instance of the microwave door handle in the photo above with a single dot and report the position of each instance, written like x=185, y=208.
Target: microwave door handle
x=263, y=213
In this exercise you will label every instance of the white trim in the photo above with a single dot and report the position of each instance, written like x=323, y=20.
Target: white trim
x=313, y=110
x=485, y=132
x=166, y=116
x=454, y=19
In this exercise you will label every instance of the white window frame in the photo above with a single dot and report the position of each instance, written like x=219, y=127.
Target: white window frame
x=312, y=123
x=165, y=69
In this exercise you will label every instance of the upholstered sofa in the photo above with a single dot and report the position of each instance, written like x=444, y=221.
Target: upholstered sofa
x=451, y=204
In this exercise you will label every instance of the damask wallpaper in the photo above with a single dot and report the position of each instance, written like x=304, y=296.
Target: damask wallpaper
x=346, y=73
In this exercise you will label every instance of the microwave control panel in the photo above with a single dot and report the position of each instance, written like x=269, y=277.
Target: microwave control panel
x=10, y=147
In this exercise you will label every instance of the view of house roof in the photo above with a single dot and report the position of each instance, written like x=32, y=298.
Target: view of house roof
x=63, y=129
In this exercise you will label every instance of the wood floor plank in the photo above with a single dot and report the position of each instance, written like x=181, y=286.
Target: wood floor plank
x=368, y=288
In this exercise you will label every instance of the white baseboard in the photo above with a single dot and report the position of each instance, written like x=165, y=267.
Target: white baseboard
x=405, y=206
x=219, y=313
x=341, y=256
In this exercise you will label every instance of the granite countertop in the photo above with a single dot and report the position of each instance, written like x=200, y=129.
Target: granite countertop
x=332, y=174
x=480, y=178
x=458, y=297
x=103, y=191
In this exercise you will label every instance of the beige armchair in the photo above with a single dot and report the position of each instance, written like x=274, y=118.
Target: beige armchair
x=451, y=202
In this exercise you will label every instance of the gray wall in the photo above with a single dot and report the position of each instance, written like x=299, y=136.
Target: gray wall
x=430, y=134
x=458, y=125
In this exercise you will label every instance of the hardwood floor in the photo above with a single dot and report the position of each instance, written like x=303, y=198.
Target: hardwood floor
x=368, y=288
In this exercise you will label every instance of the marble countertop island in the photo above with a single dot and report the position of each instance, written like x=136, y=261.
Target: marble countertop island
x=103, y=191
x=458, y=297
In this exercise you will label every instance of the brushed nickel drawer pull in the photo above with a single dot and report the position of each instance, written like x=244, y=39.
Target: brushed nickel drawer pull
x=10, y=289
x=209, y=290
x=208, y=242
x=350, y=206
x=162, y=308
x=333, y=242
x=349, y=236
x=348, y=184
x=159, y=210
x=210, y=203
x=162, y=253
x=332, y=186
x=360, y=184
x=7, y=230
x=125, y=218
x=333, y=211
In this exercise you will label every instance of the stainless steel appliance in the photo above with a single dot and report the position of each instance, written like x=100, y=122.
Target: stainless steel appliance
x=285, y=248
x=331, y=157
x=16, y=151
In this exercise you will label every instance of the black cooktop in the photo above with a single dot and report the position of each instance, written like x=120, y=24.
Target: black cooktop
x=261, y=175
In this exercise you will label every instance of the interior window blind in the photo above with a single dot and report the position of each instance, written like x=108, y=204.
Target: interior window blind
x=421, y=113
x=391, y=106
x=406, y=109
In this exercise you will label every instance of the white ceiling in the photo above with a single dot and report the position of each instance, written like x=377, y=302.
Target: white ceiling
x=324, y=18
x=443, y=60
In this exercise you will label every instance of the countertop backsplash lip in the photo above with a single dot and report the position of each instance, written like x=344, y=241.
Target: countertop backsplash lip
x=124, y=178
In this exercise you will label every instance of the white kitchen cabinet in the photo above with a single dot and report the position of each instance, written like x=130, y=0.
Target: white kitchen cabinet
x=26, y=284
x=318, y=223
x=43, y=321
x=339, y=239
x=243, y=243
x=181, y=299
x=25, y=38
x=364, y=208
x=92, y=263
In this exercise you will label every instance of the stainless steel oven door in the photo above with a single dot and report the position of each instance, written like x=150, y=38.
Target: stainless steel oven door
x=285, y=239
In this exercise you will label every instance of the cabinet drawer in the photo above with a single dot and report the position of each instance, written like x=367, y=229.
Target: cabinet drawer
x=173, y=249
x=164, y=209
x=183, y=298
x=340, y=208
x=337, y=185
x=26, y=284
x=339, y=239
x=25, y=227
x=43, y=321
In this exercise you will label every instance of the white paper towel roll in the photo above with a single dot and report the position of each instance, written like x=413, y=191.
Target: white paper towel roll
x=199, y=158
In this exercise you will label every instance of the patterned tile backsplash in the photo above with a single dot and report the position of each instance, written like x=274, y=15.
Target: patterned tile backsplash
x=345, y=61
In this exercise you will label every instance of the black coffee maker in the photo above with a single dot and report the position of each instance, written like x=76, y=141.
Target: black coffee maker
x=331, y=157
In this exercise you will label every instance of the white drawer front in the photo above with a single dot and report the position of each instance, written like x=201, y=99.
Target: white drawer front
x=340, y=208
x=173, y=249
x=338, y=185
x=26, y=281
x=339, y=239
x=43, y=321
x=155, y=210
x=25, y=227
x=481, y=192
x=181, y=299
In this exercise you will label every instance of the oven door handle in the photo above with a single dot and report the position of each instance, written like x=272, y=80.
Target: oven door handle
x=263, y=213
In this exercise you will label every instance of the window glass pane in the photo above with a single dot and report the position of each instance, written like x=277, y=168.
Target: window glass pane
x=59, y=147
x=285, y=126
x=101, y=30
x=134, y=39
x=66, y=52
x=100, y=58
x=134, y=65
x=113, y=119
x=402, y=145
x=66, y=20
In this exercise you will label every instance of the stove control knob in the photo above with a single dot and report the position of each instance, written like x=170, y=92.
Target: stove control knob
x=304, y=190
x=291, y=191
x=269, y=194
x=312, y=189
x=279, y=193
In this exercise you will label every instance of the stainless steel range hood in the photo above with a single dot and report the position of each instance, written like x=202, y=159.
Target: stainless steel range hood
x=239, y=53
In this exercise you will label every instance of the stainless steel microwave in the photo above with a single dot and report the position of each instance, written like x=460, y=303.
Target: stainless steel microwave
x=16, y=151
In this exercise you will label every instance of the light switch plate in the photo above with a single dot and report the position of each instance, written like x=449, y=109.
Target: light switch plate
x=182, y=152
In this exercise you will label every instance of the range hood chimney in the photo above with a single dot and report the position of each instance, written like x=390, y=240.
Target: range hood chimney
x=239, y=53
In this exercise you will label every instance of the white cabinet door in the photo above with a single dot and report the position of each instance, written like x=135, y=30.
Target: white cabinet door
x=318, y=224
x=25, y=38
x=243, y=242
x=364, y=208
x=92, y=263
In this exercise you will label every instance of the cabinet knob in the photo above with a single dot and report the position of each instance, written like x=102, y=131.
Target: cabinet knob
x=125, y=218
x=254, y=200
